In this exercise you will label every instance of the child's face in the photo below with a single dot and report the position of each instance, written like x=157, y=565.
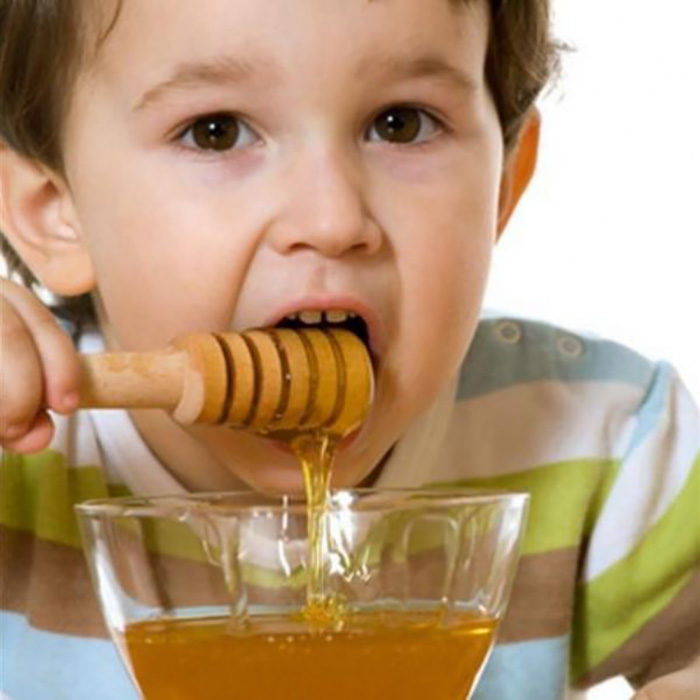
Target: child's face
x=321, y=197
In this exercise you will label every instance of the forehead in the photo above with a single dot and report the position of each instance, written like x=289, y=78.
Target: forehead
x=147, y=39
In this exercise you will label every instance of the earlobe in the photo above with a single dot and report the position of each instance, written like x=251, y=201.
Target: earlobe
x=37, y=216
x=519, y=168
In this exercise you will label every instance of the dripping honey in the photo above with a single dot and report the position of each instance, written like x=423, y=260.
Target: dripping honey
x=315, y=452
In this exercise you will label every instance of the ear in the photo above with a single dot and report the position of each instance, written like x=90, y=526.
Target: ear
x=519, y=168
x=38, y=218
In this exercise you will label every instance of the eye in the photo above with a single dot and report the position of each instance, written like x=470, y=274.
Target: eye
x=218, y=132
x=404, y=125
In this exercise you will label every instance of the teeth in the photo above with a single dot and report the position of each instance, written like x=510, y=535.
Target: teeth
x=315, y=316
x=310, y=316
x=336, y=316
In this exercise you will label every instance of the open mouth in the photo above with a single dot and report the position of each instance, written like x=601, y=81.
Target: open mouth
x=330, y=318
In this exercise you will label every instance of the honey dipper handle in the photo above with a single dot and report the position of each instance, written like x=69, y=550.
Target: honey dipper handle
x=132, y=380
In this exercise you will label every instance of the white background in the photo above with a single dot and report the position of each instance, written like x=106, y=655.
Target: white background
x=607, y=239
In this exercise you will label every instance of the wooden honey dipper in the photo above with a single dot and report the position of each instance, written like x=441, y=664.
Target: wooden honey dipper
x=270, y=380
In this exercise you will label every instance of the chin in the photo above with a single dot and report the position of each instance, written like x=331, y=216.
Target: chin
x=276, y=485
x=280, y=471
x=274, y=477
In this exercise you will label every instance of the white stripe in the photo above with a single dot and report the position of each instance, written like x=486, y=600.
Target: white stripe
x=535, y=424
x=128, y=457
x=106, y=438
x=650, y=479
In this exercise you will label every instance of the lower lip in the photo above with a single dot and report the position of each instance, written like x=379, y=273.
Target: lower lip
x=344, y=443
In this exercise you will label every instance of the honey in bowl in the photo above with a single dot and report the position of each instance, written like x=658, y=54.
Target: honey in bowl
x=373, y=655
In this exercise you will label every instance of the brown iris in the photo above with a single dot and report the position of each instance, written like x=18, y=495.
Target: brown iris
x=398, y=125
x=217, y=132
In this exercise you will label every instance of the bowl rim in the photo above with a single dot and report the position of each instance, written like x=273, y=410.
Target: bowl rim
x=223, y=502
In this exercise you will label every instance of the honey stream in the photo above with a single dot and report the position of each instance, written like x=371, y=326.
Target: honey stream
x=315, y=452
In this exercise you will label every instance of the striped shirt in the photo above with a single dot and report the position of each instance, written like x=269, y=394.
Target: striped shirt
x=606, y=442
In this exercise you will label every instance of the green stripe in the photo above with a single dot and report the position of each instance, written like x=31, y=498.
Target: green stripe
x=618, y=603
x=563, y=497
x=38, y=492
x=600, y=496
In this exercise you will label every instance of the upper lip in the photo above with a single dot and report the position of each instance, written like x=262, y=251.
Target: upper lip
x=370, y=316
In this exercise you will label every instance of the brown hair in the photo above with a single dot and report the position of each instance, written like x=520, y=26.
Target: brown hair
x=42, y=44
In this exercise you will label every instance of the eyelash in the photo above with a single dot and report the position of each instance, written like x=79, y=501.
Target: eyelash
x=439, y=124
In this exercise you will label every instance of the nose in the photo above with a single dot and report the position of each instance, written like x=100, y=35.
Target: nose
x=324, y=209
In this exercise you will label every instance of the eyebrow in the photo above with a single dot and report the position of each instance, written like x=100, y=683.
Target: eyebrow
x=225, y=70
x=231, y=70
x=428, y=66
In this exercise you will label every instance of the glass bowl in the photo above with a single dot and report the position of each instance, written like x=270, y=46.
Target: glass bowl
x=213, y=595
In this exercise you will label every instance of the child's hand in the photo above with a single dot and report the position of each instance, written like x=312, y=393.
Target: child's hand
x=38, y=369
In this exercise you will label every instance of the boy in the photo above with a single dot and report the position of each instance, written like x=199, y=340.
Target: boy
x=223, y=166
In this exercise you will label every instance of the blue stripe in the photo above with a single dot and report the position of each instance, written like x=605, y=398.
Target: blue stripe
x=492, y=363
x=651, y=409
x=39, y=665
x=534, y=670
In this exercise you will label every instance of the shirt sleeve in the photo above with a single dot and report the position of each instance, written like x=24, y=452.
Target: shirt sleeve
x=638, y=594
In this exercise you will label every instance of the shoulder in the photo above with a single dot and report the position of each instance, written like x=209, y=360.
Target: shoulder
x=531, y=394
x=507, y=351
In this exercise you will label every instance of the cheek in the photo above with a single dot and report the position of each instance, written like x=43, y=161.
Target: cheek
x=443, y=295
x=445, y=263
x=167, y=261
x=444, y=227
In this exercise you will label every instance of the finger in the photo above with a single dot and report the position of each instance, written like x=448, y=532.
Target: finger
x=20, y=375
x=58, y=357
x=37, y=438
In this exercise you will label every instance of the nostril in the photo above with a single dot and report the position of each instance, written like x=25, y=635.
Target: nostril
x=329, y=246
x=296, y=247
